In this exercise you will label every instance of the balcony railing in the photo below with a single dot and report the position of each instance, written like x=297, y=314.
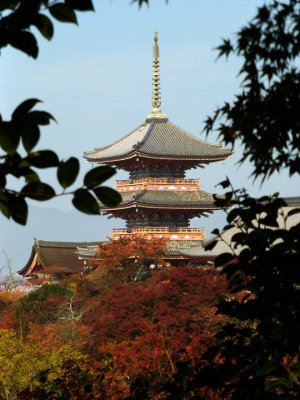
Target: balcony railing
x=175, y=233
x=151, y=183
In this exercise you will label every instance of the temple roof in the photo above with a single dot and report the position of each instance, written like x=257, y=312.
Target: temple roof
x=159, y=138
x=71, y=257
x=62, y=255
x=167, y=198
x=174, y=248
x=284, y=222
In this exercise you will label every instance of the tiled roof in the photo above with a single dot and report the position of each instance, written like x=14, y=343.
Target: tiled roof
x=62, y=255
x=167, y=198
x=87, y=251
x=222, y=247
x=174, y=247
x=73, y=245
x=160, y=138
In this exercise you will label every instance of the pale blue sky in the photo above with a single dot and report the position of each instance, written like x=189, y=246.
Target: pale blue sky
x=96, y=80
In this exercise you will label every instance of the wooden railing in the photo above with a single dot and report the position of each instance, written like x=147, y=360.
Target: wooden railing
x=151, y=183
x=158, y=180
x=178, y=233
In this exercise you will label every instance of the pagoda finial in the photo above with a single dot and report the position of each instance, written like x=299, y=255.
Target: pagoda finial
x=156, y=112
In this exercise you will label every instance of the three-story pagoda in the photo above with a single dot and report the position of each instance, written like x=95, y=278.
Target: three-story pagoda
x=157, y=197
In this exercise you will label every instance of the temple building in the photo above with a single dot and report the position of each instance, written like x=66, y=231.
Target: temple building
x=62, y=258
x=157, y=198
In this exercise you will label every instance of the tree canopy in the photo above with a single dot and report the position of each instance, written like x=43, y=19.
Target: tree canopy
x=264, y=117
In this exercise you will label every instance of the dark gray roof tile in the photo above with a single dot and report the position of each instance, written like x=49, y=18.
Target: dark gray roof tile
x=160, y=138
x=172, y=198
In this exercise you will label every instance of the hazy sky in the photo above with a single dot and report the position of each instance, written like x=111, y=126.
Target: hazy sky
x=96, y=79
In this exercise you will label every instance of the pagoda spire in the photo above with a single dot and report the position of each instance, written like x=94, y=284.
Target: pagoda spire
x=156, y=102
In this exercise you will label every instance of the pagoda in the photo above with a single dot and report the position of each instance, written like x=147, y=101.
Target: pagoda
x=157, y=199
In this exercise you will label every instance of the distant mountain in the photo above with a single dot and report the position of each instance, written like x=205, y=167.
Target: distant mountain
x=50, y=224
x=54, y=224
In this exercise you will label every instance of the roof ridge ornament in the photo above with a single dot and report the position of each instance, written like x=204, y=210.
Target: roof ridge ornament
x=156, y=103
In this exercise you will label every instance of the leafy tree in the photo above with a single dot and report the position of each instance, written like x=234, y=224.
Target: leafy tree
x=17, y=18
x=260, y=352
x=142, y=328
x=130, y=257
x=76, y=381
x=21, y=363
x=256, y=355
x=264, y=117
x=137, y=328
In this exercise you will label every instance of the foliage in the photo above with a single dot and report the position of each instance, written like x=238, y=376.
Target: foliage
x=145, y=328
x=43, y=292
x=76, y=381
x=260, y=359
x=21, y=363
x=159, y=337
x=131, y=257
x=256, y=353
x=42, y=304
x=132, y=329
x=257, y=357
x=17, y=18
x=265, y=115
x=8, y=301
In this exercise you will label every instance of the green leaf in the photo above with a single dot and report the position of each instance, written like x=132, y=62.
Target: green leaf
x=225, y=49
x=67, y=172
x=24, y=107
x=293, y=212
x=30, y=135
x=273, y=385
x=41, y=117
x=108, y=196
x=63, y=13
x=223, y=259
x=81, y=5
x=268, y=367
x=43, y=159
x=224, y=184
x=9, y=137
x=31, y=176
x=2, y=180
x=7, y=4
x=24, y=41
x=19, y=209
x=211, y=245
x=4, y=201
x=98, y=175
x=44, y=25
x=239, y=237
x=233, y=214
x=85, y=202
x=38, y=191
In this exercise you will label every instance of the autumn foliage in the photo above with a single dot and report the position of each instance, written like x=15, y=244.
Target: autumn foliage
x=130, y=257
x=123, y=323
